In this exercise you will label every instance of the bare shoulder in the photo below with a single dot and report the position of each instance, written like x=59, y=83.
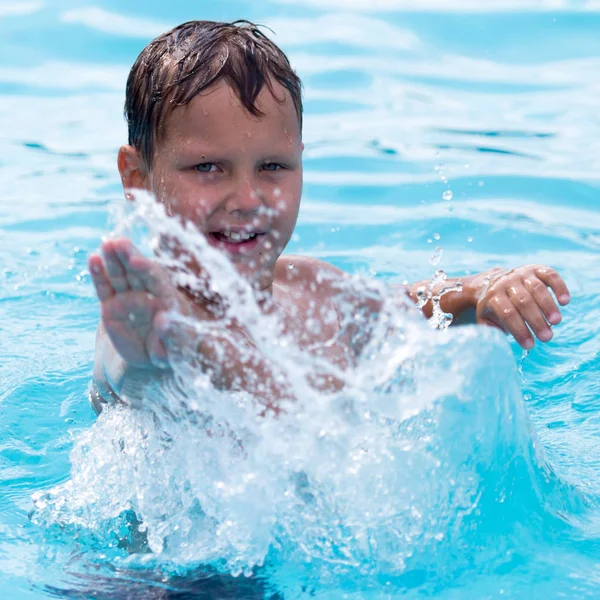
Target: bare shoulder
x=295, y=271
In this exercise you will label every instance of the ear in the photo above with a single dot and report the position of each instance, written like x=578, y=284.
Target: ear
x=133, y=170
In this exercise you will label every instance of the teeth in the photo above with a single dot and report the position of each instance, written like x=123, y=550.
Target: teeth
x=240, y=236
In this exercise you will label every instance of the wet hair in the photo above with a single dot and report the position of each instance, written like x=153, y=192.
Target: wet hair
x=179, y=64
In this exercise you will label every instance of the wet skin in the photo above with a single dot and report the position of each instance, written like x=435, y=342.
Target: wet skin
x=238, y=179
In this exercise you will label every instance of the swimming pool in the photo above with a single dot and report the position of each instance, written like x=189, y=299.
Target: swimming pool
x=453, y=124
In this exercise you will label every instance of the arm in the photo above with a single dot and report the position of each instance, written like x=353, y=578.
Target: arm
x=115, y=380
x=138, y=340
x=459, y=304
x=516, y=301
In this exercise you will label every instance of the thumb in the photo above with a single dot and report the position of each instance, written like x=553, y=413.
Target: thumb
x=175, y=337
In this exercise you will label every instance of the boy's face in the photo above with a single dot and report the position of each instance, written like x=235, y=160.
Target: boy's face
x=237, y=177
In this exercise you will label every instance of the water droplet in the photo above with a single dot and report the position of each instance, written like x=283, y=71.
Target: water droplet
x=447, y=195
x=436, y=236
x=469, y=239
x=436, y=257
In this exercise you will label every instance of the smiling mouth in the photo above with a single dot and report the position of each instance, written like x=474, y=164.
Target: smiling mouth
x=234, y=237
x=234, y=242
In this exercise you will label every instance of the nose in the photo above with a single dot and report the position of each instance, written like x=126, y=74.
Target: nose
x=245, y=197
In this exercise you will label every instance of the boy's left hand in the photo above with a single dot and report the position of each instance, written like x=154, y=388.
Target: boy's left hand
x=519, y=301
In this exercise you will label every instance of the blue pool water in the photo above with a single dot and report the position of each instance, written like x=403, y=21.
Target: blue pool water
x=464, y=125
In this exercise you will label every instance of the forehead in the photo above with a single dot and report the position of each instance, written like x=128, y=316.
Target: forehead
x=217, y=115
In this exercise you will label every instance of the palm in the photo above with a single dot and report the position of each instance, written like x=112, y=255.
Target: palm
x=133, y=291
x=128, y=319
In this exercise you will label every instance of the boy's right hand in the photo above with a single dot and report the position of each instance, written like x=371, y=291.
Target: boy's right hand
x=135, y=294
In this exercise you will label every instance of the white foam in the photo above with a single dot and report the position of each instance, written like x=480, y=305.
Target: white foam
x=366, y=478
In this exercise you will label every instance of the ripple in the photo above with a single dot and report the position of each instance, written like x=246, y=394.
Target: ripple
x=114, y=23
x=21, y=8
x=46, y=150
x=451, y=6
x=499, y=133
x=486, y=150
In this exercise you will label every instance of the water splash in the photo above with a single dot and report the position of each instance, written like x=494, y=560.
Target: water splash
x=437, y=256
x=439, y=319
x=393, y=474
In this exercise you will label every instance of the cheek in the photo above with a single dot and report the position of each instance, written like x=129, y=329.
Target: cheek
x=286, y=211
x=181, y=197
x=296, y=195
x=162, y=185
x=287, y=195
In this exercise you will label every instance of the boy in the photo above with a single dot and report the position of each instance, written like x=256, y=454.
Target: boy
x=215, y=133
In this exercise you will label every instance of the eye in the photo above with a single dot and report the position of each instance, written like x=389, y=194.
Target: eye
x=271, y=166
x=205, y=167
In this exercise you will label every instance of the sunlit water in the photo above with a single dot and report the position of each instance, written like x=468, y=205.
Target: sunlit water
x=448, y=135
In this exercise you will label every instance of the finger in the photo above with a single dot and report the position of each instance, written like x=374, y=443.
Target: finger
x=127, y=254
x=140, y=272
x=507, y=313
x=151, y=276
x=554, y=281
x=114, y=267
x=530, y=312
x=542, y=296
x=178, y=338
x=157, y=352
x=104, y=289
